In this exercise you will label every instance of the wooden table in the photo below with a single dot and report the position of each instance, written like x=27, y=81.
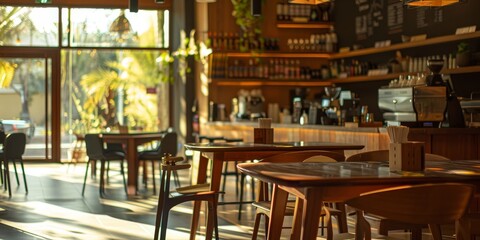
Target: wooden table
x=319, y=182
x=131, y=141
x=222, y=152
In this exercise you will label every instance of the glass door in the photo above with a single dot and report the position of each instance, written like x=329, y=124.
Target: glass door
x=26, y=101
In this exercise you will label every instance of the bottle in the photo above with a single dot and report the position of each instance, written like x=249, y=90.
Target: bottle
x=280, y=16
x=303, y=119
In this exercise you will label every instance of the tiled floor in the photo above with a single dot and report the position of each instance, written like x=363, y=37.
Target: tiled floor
x=55, y=209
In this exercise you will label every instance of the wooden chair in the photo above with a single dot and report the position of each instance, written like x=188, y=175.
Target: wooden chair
x=468, y=226
x=168, y=145
x=386, y=224
x=97, y=152
x=382, y=155
x=262, y=205
x=13, y=150
x=168, y=199
x=432, y=204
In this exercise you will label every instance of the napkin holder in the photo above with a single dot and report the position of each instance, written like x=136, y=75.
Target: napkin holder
x=407, y=156
x=263, y=135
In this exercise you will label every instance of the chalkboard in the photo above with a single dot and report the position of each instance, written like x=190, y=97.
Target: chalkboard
x=364, y=22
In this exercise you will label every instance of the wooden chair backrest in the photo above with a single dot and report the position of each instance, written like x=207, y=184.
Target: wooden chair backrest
x=376, y=155
x=440, y=203
x=435, y=157
x=263, y=193
x=300, y=156
x=382, y=156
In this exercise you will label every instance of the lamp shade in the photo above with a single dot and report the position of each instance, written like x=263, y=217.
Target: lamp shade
x=430, y=3
x=121, y=25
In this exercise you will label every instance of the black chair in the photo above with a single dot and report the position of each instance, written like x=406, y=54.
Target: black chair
x=13, y=150
x=168, y=145
x=168, y=199
x=97, y=152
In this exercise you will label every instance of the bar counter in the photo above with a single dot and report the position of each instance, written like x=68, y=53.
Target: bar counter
x=454, y=143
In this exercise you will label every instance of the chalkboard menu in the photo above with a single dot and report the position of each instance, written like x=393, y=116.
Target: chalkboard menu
x=364, y=22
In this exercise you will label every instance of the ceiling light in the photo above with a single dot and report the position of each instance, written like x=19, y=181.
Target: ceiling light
x=121, y=25
x=430, y=3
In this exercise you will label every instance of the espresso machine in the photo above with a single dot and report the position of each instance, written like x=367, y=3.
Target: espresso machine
x=418, y=105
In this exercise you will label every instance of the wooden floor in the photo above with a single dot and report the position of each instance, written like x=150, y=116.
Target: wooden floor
x=55, y=209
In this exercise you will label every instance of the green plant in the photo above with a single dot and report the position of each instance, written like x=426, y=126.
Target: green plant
x=463, y=47
x=188, y=47
x=249, y=24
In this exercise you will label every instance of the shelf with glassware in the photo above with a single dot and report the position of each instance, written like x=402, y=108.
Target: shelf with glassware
x=384, y=74
x=460, y=70
x=306, y=25
x=406, y=45
x=267, y=69
x=303, y=15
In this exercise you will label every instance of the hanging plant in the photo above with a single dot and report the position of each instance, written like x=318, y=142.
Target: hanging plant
x=188, y=47
x=249, y=24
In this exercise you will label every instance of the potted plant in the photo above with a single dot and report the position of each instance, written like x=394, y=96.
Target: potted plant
x=463, y=54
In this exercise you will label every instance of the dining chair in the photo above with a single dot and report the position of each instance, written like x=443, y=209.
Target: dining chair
x=13, y=150
x=385, y=224
x=468, y=226
x=97, y=152
x=168, y=199
x=168, y=145
x=262, y=205
x=383, y=155
x=432, y=204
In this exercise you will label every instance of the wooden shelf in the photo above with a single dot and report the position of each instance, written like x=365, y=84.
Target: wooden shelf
x=366, y=78
x=277, y=54
x=270, y=82
x=307, y=25
x=462, y=70
x=399, y=46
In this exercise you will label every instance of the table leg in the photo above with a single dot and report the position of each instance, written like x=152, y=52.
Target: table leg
x=132, y=167
x=215, y=178
x=342, y=220
x=277, y=212
x=201, y=178
x=297, y=216
x=312, y=208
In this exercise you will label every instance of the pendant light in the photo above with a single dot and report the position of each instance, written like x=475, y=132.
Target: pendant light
x=430, y=3
x=121, y=25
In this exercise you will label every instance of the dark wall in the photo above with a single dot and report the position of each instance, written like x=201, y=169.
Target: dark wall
x=364, y=22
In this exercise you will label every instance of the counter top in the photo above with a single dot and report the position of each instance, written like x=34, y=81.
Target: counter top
x=253, y=124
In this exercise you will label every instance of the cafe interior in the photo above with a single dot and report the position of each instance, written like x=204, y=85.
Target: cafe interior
x=241, y=119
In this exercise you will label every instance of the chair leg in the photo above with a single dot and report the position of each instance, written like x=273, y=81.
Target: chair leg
x=240, y=202
x=256, y=225
x=24, y=176
x=164, y=223
x=108, y=172
x=224, y=175
x=85, y=178
x=176, y=179
x=102, y=178
x=153, y=178
x=16, y=173
x=211, y=216
x=122, y=171
x=436, y=232
x=1, y=171
x=7, y=179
